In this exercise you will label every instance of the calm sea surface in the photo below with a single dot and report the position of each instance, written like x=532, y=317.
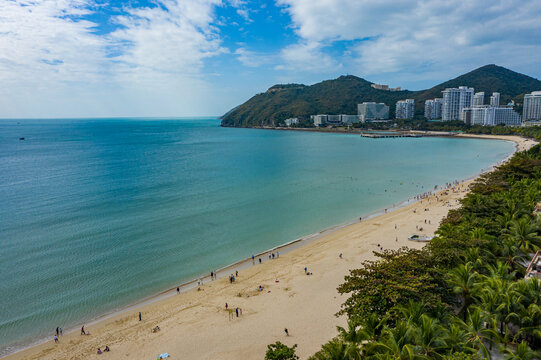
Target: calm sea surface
x=97, y=214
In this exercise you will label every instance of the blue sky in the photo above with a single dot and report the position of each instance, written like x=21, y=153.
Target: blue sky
x=99, y=58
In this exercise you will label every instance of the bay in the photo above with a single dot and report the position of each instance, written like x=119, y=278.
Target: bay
x=96, y=214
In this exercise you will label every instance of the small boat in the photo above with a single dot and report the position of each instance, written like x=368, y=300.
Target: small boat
x=421, y=238
x=21, y=138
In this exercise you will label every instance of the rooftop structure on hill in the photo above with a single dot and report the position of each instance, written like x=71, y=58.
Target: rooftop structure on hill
x=385, y=87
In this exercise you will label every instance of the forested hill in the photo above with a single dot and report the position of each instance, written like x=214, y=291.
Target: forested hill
x=341, y=96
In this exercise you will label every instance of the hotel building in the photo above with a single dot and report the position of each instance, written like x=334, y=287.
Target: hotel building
x=454, y=100
x=372, y=111
x=532, y=106
x=486, y=115
x=433, y=109
x=405, y=109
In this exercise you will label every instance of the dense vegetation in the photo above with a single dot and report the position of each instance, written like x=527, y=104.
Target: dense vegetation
x=464, y=295
x=341, y=96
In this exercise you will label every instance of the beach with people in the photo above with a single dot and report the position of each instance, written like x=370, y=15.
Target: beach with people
x=268, y=297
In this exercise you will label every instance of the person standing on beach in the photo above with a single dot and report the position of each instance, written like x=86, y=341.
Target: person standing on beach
x=55, y=339
x=212, y=275
x=57, y=331
x=82, y=330
x=60, y=331
x=277, y=254
x=139, y=316
x=237, y=312
x=260, y=260
x=178, y=290
x=236, y=273
x=253, y=260
x=287, y=332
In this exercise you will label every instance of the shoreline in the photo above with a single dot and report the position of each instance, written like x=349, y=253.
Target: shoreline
x=285, y=248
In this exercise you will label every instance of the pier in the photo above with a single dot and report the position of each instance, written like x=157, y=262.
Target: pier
x=392, y=134
x=396, y=135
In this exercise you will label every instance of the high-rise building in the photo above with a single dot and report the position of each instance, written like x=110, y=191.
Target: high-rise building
x=479, y=99
x=405, y=109
x=454, y=100
x=495, y=99
x=487, y=115
x=373, y=111
x=532, y=106
x=433, y=109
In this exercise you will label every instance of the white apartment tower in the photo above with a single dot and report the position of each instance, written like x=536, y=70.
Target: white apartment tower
x=479, y=99
x=532, y=106
x=454, y=100
x=405, y=109
x=433, y=108
x=495, y=99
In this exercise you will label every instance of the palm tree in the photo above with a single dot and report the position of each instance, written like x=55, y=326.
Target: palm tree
x=337, y=350
x=530, y=323
x=412, y=311
x=499, y=270
x=372, y=326
x=524, y=232
x=522, y=352
x=505, y=310
x=456, y=340
x=397, y=343
x=510, y=253
x=463, y=280
x=476, y=331
x=353, y=334
x=430, y=337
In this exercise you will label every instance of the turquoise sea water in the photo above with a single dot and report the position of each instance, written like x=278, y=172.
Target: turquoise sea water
x=97, y=214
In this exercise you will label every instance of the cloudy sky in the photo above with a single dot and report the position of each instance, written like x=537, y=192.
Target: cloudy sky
x=99, y=58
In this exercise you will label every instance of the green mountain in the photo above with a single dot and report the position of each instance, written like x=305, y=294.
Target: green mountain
x=341, y=96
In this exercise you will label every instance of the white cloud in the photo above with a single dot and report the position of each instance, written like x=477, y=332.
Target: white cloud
x=38, y=39
x=151, y=63
x=251, y=58
x=173, y=38
x=306, y=56
x=406, y=36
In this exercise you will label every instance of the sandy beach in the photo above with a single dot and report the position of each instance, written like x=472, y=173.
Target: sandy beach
x=196, y=325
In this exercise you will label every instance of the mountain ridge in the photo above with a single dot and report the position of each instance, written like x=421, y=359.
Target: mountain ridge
x=341, y=96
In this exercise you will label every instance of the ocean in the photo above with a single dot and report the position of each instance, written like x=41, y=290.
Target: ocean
x=96, y=214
